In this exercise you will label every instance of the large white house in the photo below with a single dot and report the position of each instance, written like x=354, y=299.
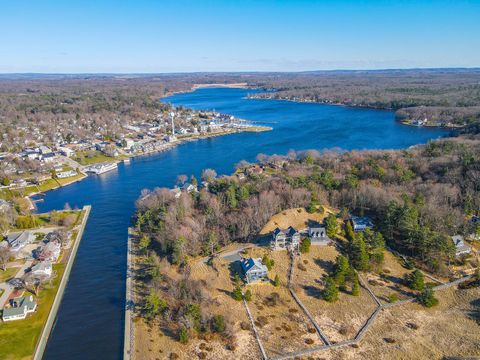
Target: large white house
x=254, y=270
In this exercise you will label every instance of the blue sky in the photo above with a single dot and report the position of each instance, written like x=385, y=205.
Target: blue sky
x=262, y=35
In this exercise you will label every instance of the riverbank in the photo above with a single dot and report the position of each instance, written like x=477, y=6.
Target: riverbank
x=407, y=122
x=57, y=183
x=40, y=347
x=27, y=338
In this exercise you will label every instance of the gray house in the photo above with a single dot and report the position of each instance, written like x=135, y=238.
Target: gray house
x=361, y=223
x=318, y=235
x=254, y=270
x=285, y=239
x=18, y=240
x=460, y=247
x=19, y=308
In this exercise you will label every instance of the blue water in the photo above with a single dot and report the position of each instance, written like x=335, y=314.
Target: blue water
x=90, y=319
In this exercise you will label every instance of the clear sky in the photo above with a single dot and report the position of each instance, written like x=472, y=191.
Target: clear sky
x=247, y=35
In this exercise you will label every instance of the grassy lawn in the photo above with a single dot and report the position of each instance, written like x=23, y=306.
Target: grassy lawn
x=48, y=185
x=18, y=338
x=97, y=158
x=8, y=274
x=71, y=179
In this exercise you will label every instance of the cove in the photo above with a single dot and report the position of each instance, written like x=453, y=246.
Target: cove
x=90, y=319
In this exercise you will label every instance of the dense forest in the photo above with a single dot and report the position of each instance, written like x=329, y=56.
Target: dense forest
x=418, y=199
x=48, y=107
x=442, y=95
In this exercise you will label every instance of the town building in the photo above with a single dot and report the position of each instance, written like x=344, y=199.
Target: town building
x=254, y=270
x=285, y=239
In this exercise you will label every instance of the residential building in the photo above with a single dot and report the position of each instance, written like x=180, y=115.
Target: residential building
x=460, y=247
x=318, y=235
x=18, y=240
x=49, y=252
x=66, y=174
x=43, y=268
x=254, y=270
x=19, y=308
x=285, y=239
x=361, y=223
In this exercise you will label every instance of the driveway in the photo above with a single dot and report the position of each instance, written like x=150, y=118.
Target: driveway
x=8, y=289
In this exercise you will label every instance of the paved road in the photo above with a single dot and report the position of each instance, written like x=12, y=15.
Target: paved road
x=8, y=289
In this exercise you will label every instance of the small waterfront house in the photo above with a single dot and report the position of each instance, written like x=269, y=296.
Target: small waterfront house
x=285, y=239
x=460, y=247
x=254, y=270
x=19, y=308
x=318, y=235
x=43, y=268
x=66, y=174
x=18, y=240
x=361, y=223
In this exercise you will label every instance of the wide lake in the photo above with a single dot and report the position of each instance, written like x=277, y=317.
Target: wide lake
x=90, y=320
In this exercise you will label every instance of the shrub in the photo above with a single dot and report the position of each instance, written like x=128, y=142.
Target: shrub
x=330, y=292
x=392, y=298
x=248, y=295
x=389, y=340
x=427, y=297
x=415, y=280
x=183, y=335
x=309, y=341
x=218, y=324
x=237, y=293
x=305, y=245
x=244, y=325
x=302, y=267
x=269, y=263
x=276, y=281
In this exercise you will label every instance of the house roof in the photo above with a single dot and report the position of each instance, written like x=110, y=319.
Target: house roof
x=43, y=266
x=251, y=263
x=291, y=231
x=362, y=221
x=20, y=306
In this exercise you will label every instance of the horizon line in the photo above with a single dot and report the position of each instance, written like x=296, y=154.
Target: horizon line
x=243, y=72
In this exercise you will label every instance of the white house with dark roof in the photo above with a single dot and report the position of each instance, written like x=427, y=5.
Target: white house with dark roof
x=460, y=247
x=254, y=270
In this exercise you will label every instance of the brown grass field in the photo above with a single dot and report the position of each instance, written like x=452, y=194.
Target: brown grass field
x=156, y=343
x=342, y=319
x=451, y=329
x=283, y=327
x=297, y=217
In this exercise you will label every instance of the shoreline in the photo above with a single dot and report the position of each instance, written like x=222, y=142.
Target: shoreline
x=407, y=122
x=47, y=329
x=168, y=146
